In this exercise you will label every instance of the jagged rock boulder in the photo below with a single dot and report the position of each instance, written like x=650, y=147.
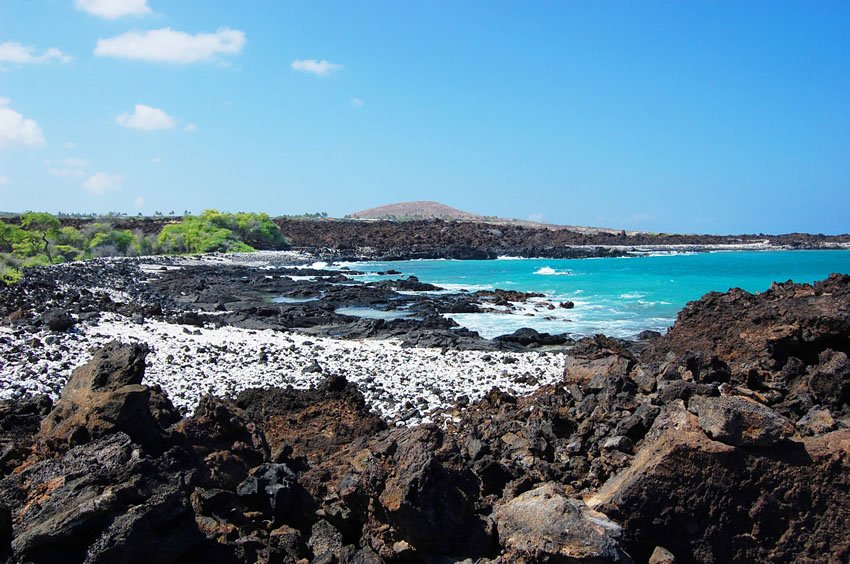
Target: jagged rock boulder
x=428, y=501
x=595, y=356
x=829, y=379
x=790, y=342
x=708, y=501
x=310, y=424
x=105, y=502
x=102, y=397
x=58, y=320
x=544, y=525
x=817, y=422
x=227, y=444
x=528, y=337
x=662, y=556
x=19, y=422
x=741, y=421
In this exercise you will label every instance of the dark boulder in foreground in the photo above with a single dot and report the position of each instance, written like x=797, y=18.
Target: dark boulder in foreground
x=726, y=440
x=708, y=501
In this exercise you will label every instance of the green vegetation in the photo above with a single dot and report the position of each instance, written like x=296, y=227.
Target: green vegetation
x=39, y=239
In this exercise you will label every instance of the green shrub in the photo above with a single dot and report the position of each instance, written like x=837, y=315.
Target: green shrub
x=199, y=235
x=254, y=229
x=41, y=239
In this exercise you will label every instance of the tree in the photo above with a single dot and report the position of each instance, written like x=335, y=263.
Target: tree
x=42, y=225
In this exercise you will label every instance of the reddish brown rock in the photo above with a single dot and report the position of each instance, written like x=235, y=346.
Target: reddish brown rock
x=712, y=502
x=104, y=396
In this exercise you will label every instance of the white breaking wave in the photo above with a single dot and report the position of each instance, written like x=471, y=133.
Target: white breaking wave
x=549, y=271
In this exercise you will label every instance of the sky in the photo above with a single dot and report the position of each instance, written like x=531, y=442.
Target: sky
x=696, y=117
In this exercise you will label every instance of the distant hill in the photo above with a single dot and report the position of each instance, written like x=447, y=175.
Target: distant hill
x=415, y=210
x=436, y=210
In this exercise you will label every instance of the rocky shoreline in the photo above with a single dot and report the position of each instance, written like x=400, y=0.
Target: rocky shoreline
x=326, y=438
x=219, y=324
x=437, y=239
x=385, y=240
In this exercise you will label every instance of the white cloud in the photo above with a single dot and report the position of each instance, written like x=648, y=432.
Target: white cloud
x=71, y=167
x=74, y=162
x=169, y=46
x=139, y=202
x=70, y=145
x=357, y=103
x=146, y=118
x=312, y=66
x=4, y=180
x=538, y=217
x=114, y=9
x=66, y=172
x=101, y=182
x=157, y=160
x=15, y=129
x=13, y=52
x=190, y=128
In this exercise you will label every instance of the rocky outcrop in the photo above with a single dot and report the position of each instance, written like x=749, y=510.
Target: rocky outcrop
x=100, y=502
x=103, y=397
x=789, y=344
x=711, y=444
x=429, y=239
x=709, y=501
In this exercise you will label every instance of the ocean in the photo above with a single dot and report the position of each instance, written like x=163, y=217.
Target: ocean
x=619, y=297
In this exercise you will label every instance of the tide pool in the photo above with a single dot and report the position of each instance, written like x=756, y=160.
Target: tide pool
x=615, y=296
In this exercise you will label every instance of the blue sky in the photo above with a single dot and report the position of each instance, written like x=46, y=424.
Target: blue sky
x=664, y=116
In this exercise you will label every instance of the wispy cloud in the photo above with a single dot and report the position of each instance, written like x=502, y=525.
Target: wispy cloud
x=357, y=103
x=70, y=167
x=15, y=129
x=139, y=202
x=145, y=118
x=318, y=68
x=4, y=180
x=114, y=9
x=169, y=46
x=16, y=53
x=190, y=128
x=100, y=183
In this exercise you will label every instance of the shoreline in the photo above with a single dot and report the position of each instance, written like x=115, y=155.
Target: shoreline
x=203, y=315
x=728, y=414
x=398, y=383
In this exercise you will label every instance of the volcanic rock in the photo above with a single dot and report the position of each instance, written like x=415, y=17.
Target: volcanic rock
x=597, y=355
x=681, y=481
x=661, y=556
x=102, y=397
x=817, y=422
x=741, y=421
x=100, y=502
x=528, y=337
x=544, y=525
x=58, y=320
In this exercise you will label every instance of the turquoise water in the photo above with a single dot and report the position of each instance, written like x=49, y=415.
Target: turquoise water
x=615, y=296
